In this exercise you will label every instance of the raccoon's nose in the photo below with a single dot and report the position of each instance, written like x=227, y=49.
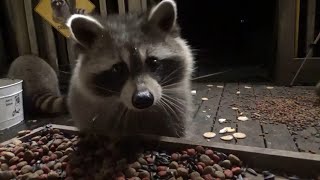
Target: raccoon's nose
x=142, y=99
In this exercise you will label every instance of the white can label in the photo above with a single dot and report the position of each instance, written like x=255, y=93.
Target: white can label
x=11, y=107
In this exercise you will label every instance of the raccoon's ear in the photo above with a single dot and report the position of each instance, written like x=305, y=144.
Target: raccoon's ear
x=85, y=30
x=164, y=15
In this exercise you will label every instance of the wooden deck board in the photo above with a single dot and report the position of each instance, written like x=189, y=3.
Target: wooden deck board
x=203, y=119
x=252, y=127
x=228, y=100
x=305, y=139
x=277, y=135
x=202, y=91
x=307, y=142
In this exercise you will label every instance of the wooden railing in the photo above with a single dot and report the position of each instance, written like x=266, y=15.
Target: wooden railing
x=33, y=35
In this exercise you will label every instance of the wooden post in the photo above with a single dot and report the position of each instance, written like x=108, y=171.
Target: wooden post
x=3, y=54
x=103, y=7
x=311, y=16
x=296, y=37
x=285, y=47
x=31, y=27
x=121, y=7
x=144, y=5
x=134, y=5
x=71, y=55
x=17, y=14
x=51, y=51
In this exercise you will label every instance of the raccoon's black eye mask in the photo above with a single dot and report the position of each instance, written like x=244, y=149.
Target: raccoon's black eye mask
x=169, y=71
x=112, y=80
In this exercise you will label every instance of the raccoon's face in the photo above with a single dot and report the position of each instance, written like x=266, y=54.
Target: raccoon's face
x=140, y=59
x=57, y=3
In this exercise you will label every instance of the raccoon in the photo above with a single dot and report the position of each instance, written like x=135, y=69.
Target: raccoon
x=40, y=85
x=132, y=74
x=60, y=10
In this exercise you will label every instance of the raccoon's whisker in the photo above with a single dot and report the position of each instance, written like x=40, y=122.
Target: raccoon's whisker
x=171, y=90
x=169, y=108
x=162, y=84
x=167, y=78
x=180, y=101
x=162, y=106
x=108, y=90
x=170, y=85
x=173, y=104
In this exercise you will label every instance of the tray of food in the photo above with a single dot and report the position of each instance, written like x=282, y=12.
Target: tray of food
x=61, y=152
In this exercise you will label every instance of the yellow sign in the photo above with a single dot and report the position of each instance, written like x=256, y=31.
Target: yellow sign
x=56, y=12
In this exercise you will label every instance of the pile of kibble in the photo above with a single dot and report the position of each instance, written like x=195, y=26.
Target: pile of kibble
x=297, y=112
x=56, y=155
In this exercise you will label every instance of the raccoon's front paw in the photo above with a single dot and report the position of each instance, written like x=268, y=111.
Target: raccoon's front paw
x=80, y=11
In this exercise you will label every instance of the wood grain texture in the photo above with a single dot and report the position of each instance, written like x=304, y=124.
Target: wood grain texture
x=227, y=101
x=277, y=136
x=134, y=6
x=203, y=120
x=252, y=127
x=311, y=17
x=18, y=18
x=71, y=54
x=285, y=43
x=31, y=28
x=50, y=46
x=121, y=7
x=144, y=5
x=103, y=7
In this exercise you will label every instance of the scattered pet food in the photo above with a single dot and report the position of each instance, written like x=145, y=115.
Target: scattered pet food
x=226, y=138
x=209, y=134
x=297, y=111
x=222, y=120
x=53, y=154
x=223, y=130
x=239, y=135
x=243, y=118
x=256, y=114
x=230, y=129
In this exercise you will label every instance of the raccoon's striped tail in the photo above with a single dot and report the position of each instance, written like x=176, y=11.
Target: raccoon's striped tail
x=51, y=104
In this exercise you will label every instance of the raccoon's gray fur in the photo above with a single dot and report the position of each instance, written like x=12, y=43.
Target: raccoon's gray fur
x=318, y=89
x=40, y=85
x=132, y=74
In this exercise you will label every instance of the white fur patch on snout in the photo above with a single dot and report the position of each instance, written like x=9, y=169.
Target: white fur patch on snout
x=130, y=87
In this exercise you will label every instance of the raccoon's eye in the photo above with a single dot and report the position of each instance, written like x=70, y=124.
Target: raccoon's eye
x=153, y=63
x=117, y=68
